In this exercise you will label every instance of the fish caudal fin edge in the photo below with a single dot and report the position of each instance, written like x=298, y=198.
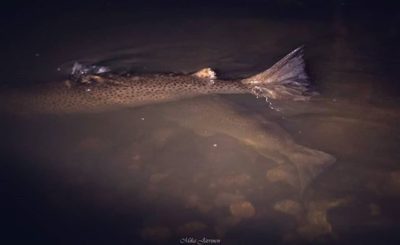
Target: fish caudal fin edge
x=309, y=164
x=286, y=79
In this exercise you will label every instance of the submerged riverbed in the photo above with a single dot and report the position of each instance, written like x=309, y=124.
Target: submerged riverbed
x=164, y=174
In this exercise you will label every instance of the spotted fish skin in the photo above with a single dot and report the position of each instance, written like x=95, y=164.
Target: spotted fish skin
x=118, y=91
x=95, y=93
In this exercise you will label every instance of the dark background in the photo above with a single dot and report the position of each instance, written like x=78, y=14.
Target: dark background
x=28, y=28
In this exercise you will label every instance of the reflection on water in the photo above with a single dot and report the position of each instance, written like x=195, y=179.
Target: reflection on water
x=228, y=167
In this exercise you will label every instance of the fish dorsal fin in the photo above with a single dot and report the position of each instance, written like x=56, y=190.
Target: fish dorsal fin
x=206, y=73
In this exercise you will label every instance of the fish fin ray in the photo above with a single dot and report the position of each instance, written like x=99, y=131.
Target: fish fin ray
x=286, y=79
x=309, y=164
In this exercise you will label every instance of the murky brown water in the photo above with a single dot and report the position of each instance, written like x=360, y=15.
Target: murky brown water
x=162, y=173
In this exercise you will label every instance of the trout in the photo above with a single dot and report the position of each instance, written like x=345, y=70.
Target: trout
x=88, y=92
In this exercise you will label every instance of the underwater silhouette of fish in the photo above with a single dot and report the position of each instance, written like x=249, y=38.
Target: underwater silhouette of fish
x=266, y=137
x=90, y=92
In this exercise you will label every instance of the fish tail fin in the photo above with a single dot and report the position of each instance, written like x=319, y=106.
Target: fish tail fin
x=286, y=79
x=309, y=163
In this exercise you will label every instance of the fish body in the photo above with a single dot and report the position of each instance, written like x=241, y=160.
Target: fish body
x=100, y=92
x=211, y=116
x=115, y=92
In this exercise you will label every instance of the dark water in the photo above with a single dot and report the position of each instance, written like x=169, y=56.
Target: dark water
x=137, y=176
